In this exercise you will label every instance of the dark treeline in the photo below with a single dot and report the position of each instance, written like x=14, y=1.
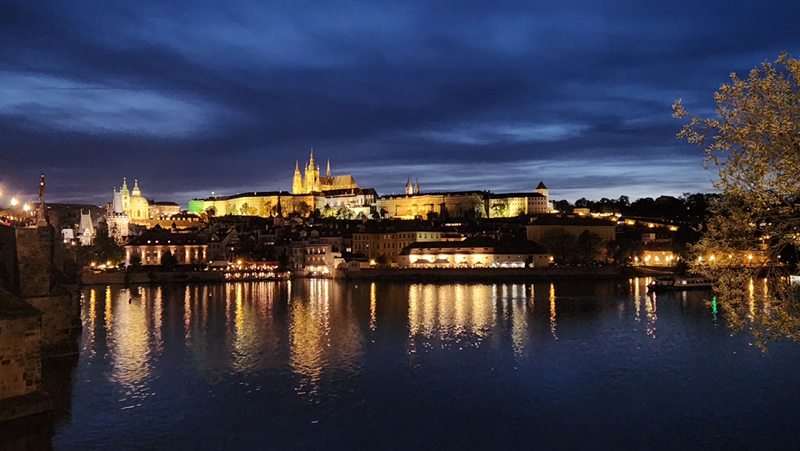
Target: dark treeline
x=689, y=208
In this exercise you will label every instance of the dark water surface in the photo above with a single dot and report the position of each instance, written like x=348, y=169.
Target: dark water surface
x=321, y=364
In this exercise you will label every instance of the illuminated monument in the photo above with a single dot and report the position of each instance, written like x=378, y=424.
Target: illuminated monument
x=342, y=196
x=313, y=183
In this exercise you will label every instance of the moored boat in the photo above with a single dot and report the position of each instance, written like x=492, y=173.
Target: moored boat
x=680, y=283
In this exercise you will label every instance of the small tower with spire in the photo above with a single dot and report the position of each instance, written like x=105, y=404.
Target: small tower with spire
x=329, y=169
x=416, y=187
x=409, y=188
x=126, y=197
x=541, y=189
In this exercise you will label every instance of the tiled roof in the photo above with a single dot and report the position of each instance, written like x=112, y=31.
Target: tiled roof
x=161, y=237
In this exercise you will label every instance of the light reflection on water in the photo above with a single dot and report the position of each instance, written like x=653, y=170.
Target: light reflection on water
x=364, y=356
x=320, y=322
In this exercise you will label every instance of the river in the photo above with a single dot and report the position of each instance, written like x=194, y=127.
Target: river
x=323, y=364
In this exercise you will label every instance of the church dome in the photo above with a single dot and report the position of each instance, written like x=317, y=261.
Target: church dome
x=139, y=207
x=138, y=201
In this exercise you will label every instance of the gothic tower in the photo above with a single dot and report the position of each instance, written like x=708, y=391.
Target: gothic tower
x=311, y=182
x=126, y=197
x=409, y=188
x=297, y=184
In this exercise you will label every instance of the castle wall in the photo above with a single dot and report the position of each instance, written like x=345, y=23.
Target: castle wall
x=263, y=205
x=455, y=205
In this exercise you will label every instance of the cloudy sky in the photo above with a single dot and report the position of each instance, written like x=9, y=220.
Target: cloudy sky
x=191, y=97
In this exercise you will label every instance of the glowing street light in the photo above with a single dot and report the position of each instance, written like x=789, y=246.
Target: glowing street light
x=14, y=202
x=26, y=207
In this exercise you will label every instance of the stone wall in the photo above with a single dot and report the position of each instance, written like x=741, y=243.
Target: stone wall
x=35, y=259
x=61, y=323
x=9, y=277
x=40, y=261
x=20, y=347
x=489, y=275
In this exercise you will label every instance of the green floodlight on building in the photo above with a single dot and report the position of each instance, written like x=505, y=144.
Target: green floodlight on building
x=195, y=206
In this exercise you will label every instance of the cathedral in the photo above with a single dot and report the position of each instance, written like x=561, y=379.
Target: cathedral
x=311, y=182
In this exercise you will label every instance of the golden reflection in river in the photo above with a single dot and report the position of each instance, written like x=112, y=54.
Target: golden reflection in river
x=158, y=320
x=519, y=320
x=128, y=343
x=108, y=314
x=92, y=309
x=651, y=307
x=310, y=329
x=324, y=332
x=187, y=315
x=89, y=319
x=449, y=310
x=752, y=297
x=553, y=311
x=372, y=306
x=255, y=338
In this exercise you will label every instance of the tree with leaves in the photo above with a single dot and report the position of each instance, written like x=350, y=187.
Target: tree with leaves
x=500, y=208
x=590, y=247
x=561, y=244
x=754, y=144
x=105, y=248
x=302, y=209
x=168, y=261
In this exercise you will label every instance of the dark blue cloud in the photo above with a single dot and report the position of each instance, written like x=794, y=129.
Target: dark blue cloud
x=191, y=97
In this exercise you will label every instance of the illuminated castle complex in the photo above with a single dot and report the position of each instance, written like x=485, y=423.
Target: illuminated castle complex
x=341, y=196
x=313, y=183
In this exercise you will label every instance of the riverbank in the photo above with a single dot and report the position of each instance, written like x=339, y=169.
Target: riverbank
x=491, y=274
x=398, y=274
x=139, y=278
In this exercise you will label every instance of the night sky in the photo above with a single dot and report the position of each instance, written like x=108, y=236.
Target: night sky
x=197, y=96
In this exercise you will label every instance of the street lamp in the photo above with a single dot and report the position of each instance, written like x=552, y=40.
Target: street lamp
x=14, y=202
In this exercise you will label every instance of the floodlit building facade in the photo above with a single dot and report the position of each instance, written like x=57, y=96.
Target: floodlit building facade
x=150, y=247
x=541, y=225
x=390, y=237
x=477, y=252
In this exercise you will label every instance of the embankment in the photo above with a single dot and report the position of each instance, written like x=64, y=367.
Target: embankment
x=490, y=274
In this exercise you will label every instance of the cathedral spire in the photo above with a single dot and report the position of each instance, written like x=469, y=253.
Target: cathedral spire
x=329, y=168
x=297, y=182
x=416, y=187
x=311, y=162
